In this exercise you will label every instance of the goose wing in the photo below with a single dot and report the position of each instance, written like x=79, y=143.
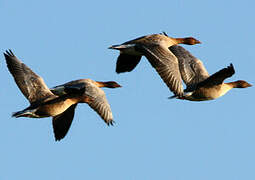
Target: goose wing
x=99, y=103
x=62, y=122
x=126, y=62
x=166, y=64
x=218, y=77
x=191, y=68
x=31, y=85
x=96, y=97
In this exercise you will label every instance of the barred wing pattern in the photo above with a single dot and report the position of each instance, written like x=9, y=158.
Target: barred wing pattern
x=99, y=103
x=166, y=64
x=191, y=68
x=31, y=85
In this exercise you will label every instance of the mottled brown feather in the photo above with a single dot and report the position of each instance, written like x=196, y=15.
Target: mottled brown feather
x=191, y=68
x=166, y=64
x=93, y=95
x=31, y=85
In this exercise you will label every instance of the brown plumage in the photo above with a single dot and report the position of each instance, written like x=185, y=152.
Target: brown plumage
x=200, y=85
x=155, y=48
x=92, y=95
x=44, y=103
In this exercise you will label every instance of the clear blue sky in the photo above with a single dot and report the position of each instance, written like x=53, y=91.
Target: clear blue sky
x=153, y=138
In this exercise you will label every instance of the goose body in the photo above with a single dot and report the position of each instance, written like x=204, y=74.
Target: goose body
x=61, y=101
x=155, y=48
x=200, y=86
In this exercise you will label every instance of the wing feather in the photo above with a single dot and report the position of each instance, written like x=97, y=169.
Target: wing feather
x=218, y=77
x=99, y=103
x=191, y=68
x=166, y=64
x=31, y=85
x=62, y=122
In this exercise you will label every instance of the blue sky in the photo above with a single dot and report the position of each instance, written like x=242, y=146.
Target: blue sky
x=153, y=138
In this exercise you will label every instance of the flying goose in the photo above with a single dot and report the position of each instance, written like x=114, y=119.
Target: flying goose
x=200, y=86
x=155, y=48
x=49, y=103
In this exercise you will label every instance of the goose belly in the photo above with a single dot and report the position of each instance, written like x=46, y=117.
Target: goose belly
x=204, y=94
x=54, y=109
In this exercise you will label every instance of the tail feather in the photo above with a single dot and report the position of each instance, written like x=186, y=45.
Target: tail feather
x=122, y=46
x=24, y=113
x=176, y=97
x=113, y=47
x=173, y=97
x=18, y=114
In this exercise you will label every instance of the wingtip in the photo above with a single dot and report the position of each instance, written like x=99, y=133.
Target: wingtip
x=118, y=71
x=11, y=52
x=57, y=139
x=8, y=53
x=231, y=66
x=113, y=47
x=14, y=114
x=111, y=122
x=172, y=97
x=164, y=33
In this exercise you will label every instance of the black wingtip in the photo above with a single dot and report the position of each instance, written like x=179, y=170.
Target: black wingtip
x=11, y=52
x=164, y=33
x=111, y=122
x=114, y=47
x=8, y=53
x=172, y=97
x=231, y=67
x=118, y=71
x=58, y=135
x=58, y=138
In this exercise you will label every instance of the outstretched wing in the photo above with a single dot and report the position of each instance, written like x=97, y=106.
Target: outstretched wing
x=95, y=97
x=166, y=64
x=218, y=77
x=191, y=68
x=30, y=84
x=62, y=122
x=126, y=62
x=99, y=103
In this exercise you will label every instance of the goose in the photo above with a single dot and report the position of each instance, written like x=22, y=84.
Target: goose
x=155, y=48
x=200, y=85
x=44, y=103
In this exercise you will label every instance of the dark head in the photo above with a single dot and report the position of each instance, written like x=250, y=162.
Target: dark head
x=190, y=41
x=109, y=84
x=241, y=84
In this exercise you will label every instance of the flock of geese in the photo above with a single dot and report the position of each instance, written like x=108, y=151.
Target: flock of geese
x=173, y=63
